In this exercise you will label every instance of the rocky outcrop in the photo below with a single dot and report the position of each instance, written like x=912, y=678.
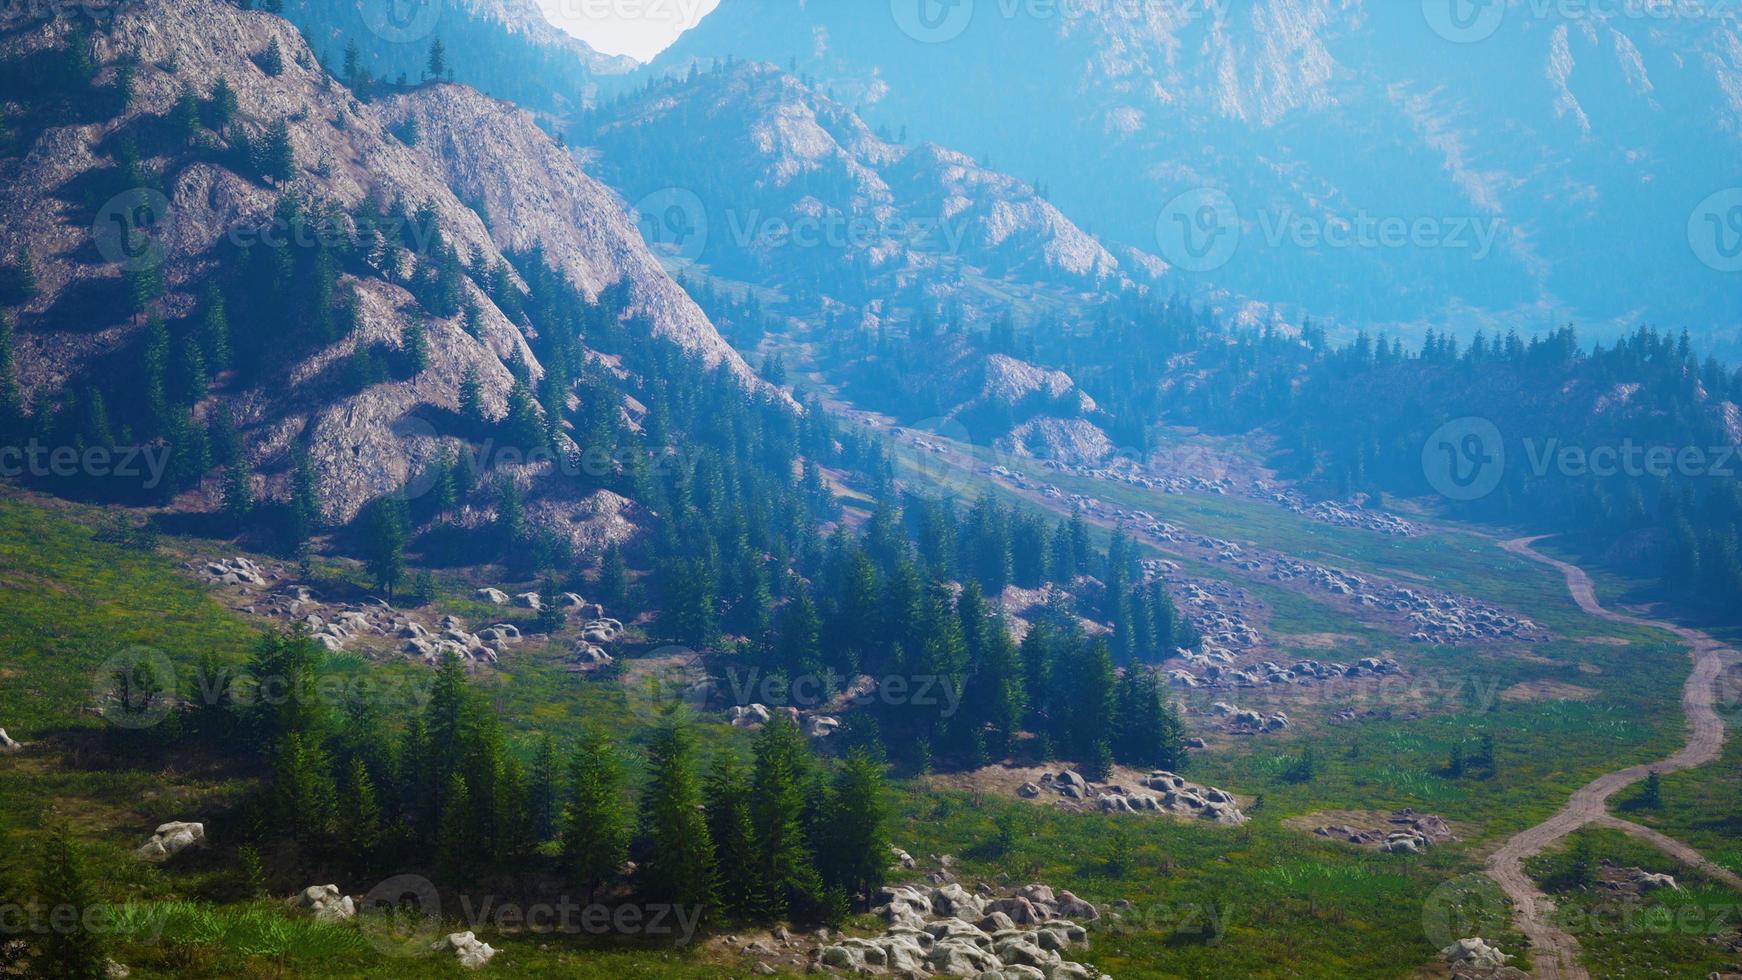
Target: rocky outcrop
x=171, y=839
x=1474, y=953
x=466, y=949
x=950, y=931
x=535, y=196
x=326, y=903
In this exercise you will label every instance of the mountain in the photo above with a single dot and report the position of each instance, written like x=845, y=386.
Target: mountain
x=758, y=176
x=505, y=48
x=234, y=257
x=1539, y=170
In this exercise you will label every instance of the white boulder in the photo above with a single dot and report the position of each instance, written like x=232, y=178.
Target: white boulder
x=171, y=839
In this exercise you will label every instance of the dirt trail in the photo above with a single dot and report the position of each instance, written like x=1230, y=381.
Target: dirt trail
x=1556, y=952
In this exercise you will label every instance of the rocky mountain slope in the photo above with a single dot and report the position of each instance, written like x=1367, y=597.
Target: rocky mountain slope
x=1565, y=161
x=488, y=188
x=791, y=188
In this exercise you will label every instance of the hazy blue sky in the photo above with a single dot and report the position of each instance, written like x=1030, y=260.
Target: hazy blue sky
x=638, y=28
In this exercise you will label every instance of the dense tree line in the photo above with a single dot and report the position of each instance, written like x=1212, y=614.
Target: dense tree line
x=1354, y=418
x=445, y=789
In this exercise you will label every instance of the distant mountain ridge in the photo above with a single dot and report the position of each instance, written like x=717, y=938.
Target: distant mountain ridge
x=793, y=189
x=1587, y=145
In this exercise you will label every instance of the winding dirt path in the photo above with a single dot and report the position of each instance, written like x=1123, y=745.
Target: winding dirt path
x=1556, y=952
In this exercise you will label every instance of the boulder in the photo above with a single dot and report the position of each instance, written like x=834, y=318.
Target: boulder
x=956, y=930
x=495, y=597
x=954, y=900
x=996, y=922
x=748, y=715
x=822, y=726
x=902, y=858
x=1474, y=953
x=171, y=839
x=1038, y=894
x=1022, y=950
x=843, y=958
x=471, y=953
x=529, y=600
x=326, y=902
x=7, y=744
x=1652, y=882
x=1019, y=910
x=1072, y=907
x=960, y=958
x=1028, y=791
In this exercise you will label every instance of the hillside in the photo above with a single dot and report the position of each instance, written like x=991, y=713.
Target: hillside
x=404, y=238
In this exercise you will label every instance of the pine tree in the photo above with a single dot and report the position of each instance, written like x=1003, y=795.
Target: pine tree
x=1651, y=797
x=455, y=840
x=679, y=868
x=727, y=791
x=71, y=950
x=359, y=825
x=303, y=791
x=223, y=104
x=214, y=328
x=184, y=117
x=437, y=66
x=596, y=825
x=472, y=395
x=541, y=790
x=857, y=857
x=384, y=544
x=238, y=490
x=353, y=64
x=785, y=879
x=613, y=579
x=271, y=61
x=277, y=157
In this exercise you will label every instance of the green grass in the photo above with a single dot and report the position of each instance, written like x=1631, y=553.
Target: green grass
x=1262, y=900
x=71, y=603
x=1662, y=933
x=1701, y=807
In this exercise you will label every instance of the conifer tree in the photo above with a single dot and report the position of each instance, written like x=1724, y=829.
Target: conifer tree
x=596, y=825
x=542, y=790
x=785, y=879
x=71, y=949
x=679, y=866
x=384, y=544
x=727, y=790
x=857, y=857
x=360, y=822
